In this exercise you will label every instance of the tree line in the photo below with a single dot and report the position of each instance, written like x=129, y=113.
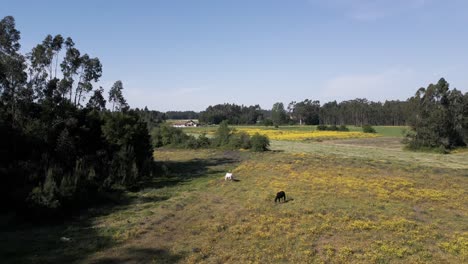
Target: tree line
x=356, y=112
x=234, y=114
x=181, y=115
x=60, y=148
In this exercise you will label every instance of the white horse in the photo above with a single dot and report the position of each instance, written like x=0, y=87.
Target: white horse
x=228, y=176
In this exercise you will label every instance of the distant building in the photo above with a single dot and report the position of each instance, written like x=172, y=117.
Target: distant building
x=189, y=123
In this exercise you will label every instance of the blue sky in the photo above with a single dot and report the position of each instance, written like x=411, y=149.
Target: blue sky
x=188, y=54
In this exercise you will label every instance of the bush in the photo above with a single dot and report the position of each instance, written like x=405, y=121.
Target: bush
x=191, y=143
x=267, y=122
x=239, y=140
x=165, y=135
x=225, y=138
x=343, y=128
x=332, y=128
x=368, y=129
x=222, y=135
x=259, y=142
x=322, y=127
x=203, y=141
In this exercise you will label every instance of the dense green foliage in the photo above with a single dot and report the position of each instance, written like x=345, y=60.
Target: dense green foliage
x=368, y=129
x=305, y=112
x=165, y=135
x=259, y=142
x=234, y=114
x=441, y=118
x=228, y=138
x=279, y=115
x=57, y=153
x=222, y=135
x=267, y=122
x=332, y=128
x=181, y=115
x=360, y=112
x=152, y=118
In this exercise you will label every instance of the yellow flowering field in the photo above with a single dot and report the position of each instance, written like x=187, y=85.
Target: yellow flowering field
x=275, y=134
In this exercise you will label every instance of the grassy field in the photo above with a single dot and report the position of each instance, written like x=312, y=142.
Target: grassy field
x=348, y=201
x=386, y=131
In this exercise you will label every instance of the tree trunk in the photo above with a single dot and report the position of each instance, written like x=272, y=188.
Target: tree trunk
x=56, y=65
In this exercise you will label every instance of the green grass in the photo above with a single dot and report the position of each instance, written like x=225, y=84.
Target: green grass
x=349, y=201
x=378, y=151
x=386, y=131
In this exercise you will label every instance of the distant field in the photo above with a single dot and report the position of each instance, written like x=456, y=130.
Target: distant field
x=376, y=150
x=386, y=131
x=348, y=201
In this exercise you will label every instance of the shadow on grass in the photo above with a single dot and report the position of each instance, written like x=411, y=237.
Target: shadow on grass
x=285, y=201
x=23, y=242
x=142, y=255
x=61, y=243
x=177, y=172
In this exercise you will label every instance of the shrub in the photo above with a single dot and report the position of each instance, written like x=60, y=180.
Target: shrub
x=259, y=142
x=239, y=140
x=165, y=135
x=191, y=143
x=222, y=135
x=225, y=138
x=203, y=141
x=45, y=196
x=343, y=128
x=267, y=122
x=332, y=128
x=368, y=129
x=322, y=127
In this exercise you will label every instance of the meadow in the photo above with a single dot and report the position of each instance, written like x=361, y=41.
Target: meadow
x=386, y=131
x=361, y=200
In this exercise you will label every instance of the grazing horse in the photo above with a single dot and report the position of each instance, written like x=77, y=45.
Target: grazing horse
x=228, y=176
x=280, y=195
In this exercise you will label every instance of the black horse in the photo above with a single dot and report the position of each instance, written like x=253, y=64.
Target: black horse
x=280, y=195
